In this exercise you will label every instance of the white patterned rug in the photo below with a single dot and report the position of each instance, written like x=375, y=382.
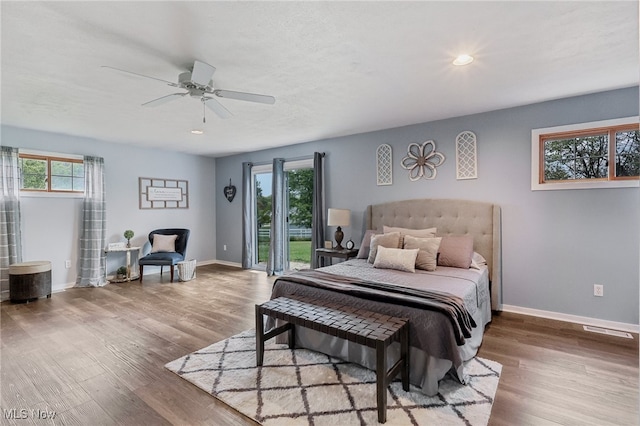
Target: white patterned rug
x=302, y=387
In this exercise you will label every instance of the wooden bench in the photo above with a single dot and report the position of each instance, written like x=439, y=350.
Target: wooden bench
x=371, y=329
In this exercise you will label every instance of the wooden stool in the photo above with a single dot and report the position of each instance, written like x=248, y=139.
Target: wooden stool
x=29, y=280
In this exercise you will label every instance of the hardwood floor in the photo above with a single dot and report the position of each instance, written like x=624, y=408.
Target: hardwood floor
x=96, y=357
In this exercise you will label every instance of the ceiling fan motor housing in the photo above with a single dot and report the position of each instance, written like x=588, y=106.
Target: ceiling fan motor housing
x=195, y=90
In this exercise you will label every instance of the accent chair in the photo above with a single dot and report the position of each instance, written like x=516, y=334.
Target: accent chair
x=168, y=247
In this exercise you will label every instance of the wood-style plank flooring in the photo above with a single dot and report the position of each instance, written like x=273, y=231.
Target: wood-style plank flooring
x=96, y=357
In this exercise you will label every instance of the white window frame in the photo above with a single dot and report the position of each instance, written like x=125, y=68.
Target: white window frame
x=582, y=184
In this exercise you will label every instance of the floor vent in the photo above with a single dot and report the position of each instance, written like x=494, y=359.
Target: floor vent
x=607, y=331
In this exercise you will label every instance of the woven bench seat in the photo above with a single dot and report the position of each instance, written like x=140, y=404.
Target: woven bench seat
x=367, y=328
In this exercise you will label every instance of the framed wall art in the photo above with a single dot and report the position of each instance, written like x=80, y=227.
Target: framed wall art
x=159, y=193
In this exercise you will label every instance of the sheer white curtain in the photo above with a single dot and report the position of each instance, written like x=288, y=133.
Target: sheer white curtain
x=94, y=226
x=10, y=236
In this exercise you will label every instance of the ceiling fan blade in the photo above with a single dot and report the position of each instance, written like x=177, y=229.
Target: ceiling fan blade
x=164, y=99
x=202, y=73
x=216, y=107
x=242, y=96
x=141, y=75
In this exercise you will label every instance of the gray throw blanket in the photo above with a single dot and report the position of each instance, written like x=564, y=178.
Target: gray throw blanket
x=450, y=305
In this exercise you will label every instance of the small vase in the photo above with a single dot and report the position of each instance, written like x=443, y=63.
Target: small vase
x=128, y=243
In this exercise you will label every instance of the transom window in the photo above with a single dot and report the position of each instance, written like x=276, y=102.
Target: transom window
x=603, y=154
x=41, y=173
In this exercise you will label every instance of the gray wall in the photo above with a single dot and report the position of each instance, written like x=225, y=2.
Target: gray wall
x=556, y=244
x=51, y=226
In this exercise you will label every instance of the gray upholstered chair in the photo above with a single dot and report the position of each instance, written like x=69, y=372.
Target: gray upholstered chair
x=164, y=256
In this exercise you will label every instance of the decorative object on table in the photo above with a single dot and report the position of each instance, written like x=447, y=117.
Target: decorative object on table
x=121, y=273
x=339, y=218
x=350, y=245
x=384, y=165
x=168, y=247
x=128, y=234
x=466, y=156
x=159, y=193
x=230, y=191
x=328, y=245
x=116, y=246
x=317, y=389
x=422, y=160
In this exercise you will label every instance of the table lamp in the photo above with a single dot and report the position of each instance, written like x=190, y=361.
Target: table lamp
x=339, y=218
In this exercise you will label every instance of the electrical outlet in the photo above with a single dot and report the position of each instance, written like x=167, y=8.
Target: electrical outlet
x=598, y=290
x=67, y=264
x=224, y=247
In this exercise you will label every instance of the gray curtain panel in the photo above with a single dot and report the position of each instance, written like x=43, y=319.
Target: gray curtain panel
x=10, y=236
x=317, y=213
x=276, y=261
x=94, y=226
x=247, y=237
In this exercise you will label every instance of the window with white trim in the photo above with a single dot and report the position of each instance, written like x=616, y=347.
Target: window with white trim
x=51, y=174
x=601, y=154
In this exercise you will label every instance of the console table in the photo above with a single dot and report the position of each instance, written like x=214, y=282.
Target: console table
x=132, y=269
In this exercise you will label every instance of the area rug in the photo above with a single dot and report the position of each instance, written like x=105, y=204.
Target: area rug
x=303, y=387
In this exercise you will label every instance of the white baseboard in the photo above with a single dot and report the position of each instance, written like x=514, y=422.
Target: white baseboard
x=623, y=326
x=206, y=262
x=227, y=263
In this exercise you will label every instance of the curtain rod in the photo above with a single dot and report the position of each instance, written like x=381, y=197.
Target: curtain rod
x=265, y=163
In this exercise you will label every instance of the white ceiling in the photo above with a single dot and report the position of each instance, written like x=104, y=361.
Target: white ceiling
x=335, y=68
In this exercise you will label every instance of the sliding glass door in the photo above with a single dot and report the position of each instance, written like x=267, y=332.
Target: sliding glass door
x=299, y=180
x=298, y=187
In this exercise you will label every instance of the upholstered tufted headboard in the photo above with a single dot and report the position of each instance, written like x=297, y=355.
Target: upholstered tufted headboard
x=451, y=217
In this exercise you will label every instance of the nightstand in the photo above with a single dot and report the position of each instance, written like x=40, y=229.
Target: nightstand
x=345, y=254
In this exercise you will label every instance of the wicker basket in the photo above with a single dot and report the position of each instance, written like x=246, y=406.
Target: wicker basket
x=187, y=270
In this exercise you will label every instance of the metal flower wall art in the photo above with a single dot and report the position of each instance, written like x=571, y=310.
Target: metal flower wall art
x=422, y=160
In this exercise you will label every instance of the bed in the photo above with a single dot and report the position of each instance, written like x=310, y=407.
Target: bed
x=441, y=341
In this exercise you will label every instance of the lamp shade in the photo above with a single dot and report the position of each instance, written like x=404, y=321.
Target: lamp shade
x=339, y=217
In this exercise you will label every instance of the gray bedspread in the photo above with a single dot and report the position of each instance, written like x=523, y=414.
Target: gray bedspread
x=452, y=306
x=430, y=331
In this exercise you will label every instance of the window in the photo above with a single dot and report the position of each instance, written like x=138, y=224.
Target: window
x=42, y=173
x=603, y=154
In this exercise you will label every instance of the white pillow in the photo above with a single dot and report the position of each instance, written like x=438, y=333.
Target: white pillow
x=428, y=254
x=394, y=258
x=164, y=243
x=478, y=261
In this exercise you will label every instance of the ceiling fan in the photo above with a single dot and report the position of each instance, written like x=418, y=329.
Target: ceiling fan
x=198, y=84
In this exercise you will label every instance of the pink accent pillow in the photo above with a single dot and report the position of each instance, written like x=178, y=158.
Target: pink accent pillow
x=456, y=251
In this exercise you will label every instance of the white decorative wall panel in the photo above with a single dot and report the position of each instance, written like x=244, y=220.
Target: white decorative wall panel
x=466, y=156
x=384, y=162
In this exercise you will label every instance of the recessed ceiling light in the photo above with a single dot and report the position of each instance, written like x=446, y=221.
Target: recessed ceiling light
x=197, y=132
x=463, y=60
